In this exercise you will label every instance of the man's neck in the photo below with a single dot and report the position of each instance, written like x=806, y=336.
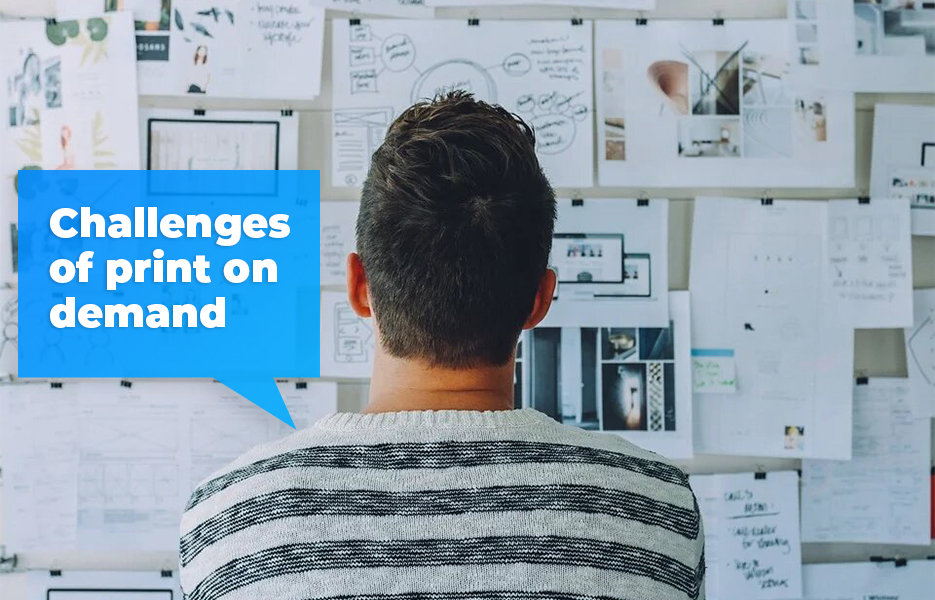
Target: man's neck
x=399, y=385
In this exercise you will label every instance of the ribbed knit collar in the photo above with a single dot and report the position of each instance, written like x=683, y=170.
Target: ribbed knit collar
x=435, y=419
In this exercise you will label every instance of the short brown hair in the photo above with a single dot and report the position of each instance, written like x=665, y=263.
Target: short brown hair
x=454, y=231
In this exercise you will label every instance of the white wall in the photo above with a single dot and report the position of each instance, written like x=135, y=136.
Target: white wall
x=878, y=352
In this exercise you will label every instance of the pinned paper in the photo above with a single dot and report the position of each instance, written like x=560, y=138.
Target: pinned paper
x=713, y=371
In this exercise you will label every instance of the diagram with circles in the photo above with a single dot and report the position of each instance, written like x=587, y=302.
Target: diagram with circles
x=537, y=70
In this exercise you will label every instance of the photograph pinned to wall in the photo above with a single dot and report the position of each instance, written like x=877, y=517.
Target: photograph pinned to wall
x=218, y=140
x=223, y=49
x=540, y=70
x=688, y=103
x=903, y=160
x=758, y=280
x=893, y=46
x=347, y=341
x=611, y=260
x=632, y=381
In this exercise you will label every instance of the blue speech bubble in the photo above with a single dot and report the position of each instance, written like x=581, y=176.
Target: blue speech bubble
x=240, y=297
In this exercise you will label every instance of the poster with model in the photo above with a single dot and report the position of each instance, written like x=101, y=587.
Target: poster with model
x=223, y=48
x=70, y=103
x=633, y=381
x=691, y=103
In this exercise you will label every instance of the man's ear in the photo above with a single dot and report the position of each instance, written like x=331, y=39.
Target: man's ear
x=543, y=300
x=357, y=294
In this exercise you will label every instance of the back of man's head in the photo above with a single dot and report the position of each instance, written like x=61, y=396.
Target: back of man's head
x=454, y=232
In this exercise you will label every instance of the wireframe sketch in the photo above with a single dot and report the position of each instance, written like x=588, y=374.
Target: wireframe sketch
x=9, y=331
x=920, y=345
x=215, y=144
x=540, y=71
x=351, y=336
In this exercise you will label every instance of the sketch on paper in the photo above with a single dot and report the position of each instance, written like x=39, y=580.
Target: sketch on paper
x=540, y=70
x=9, y=331
x=694, y=101
x=352, y=335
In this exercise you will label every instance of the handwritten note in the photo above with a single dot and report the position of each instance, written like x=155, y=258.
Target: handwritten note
x=713, y=371
x=869, y=269
x=751, y=535
x=338, y=221
x=882, y=494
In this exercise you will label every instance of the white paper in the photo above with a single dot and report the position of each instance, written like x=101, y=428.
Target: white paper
x=617, y=4
x=920, y=353
x=869, y=581
x=392, y=8
x=688, y=103
x=218, y=140
x=869, y=265
x=96, y=465
x=882, y=495
x=611, y=259
x=757, y=275
x=633, y=381
x=346, y=340
x=903, y=163
x=751, y=527
x=55, y=116
x=886, y=46
x=539, y=69
x=103, y=585
x=237, y=49
x=9, y=331
x=338, y=239
x=713, y=371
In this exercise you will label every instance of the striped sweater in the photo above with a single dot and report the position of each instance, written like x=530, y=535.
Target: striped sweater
x=446, y=505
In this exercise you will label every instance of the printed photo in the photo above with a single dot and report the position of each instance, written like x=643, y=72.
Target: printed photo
x=624, y=396
x=806, y=9
x=25, y=96
x=794, y=438
x=549, y=357
x=710, y=137
x=148, y=15
x=618, y=344
x=810, y=122
x=894, y=27
x=765, y=80
x=767, y=132
x=613, y=90
x=657, y=344
x=714, y=81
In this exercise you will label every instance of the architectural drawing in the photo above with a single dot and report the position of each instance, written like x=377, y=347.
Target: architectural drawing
x=538, y=69
x=689, y=103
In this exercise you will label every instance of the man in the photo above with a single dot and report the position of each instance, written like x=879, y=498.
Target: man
x=439, y=490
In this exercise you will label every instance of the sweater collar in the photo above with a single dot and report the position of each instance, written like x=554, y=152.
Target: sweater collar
x=434, y=419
